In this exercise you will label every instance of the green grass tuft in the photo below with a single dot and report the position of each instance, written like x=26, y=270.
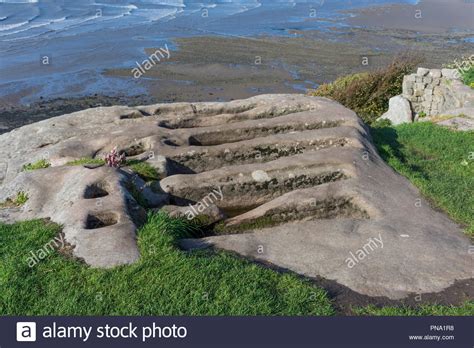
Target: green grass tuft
x=20, y=199
x=42, y=163
x=467, y=76
x=165, y=281
x=437, y=160
x=143, y=169
x=85, y=161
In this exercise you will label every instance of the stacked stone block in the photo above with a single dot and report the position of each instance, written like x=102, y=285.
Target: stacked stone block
x=432, y=91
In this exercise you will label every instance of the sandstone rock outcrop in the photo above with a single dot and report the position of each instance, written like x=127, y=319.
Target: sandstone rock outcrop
x=302, y=187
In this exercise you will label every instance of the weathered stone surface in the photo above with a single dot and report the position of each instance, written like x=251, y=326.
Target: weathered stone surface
x=59, y=192
x=408, y=85
x=452, y=74
x=462, y=112
x=461, y=119
x=322, y=204
x=435, y=73
x=399, y=111
x=429, y=98
x=301, y=184
x=98, y=214
x=459, y=123
x=422, y=71
x=160, y=163
x=436, y=91
x=211, y=212
x=427, y=80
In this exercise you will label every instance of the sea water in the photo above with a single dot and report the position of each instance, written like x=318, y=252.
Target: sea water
x=80, y=39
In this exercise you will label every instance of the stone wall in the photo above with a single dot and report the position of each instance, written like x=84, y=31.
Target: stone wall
x=435, y=91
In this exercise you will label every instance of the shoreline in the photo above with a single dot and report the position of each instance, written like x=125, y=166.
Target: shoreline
x=222, y=68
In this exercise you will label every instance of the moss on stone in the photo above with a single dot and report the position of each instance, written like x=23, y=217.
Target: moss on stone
x=86, y=161
x=143, y=169
x=42, y=163
x=20, y=199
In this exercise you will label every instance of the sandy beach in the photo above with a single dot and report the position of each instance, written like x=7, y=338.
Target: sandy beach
x=226, y=67
x=429, y=16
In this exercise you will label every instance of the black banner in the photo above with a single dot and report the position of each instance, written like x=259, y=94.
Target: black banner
x=291, y=332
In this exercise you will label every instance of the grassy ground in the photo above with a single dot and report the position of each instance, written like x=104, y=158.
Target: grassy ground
x=165, y=281
x=466, y=309
x=439, y=161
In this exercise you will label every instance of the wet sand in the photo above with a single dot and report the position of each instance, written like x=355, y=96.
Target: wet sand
x=222, y=68
x=225, y=68
x=429, y=16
